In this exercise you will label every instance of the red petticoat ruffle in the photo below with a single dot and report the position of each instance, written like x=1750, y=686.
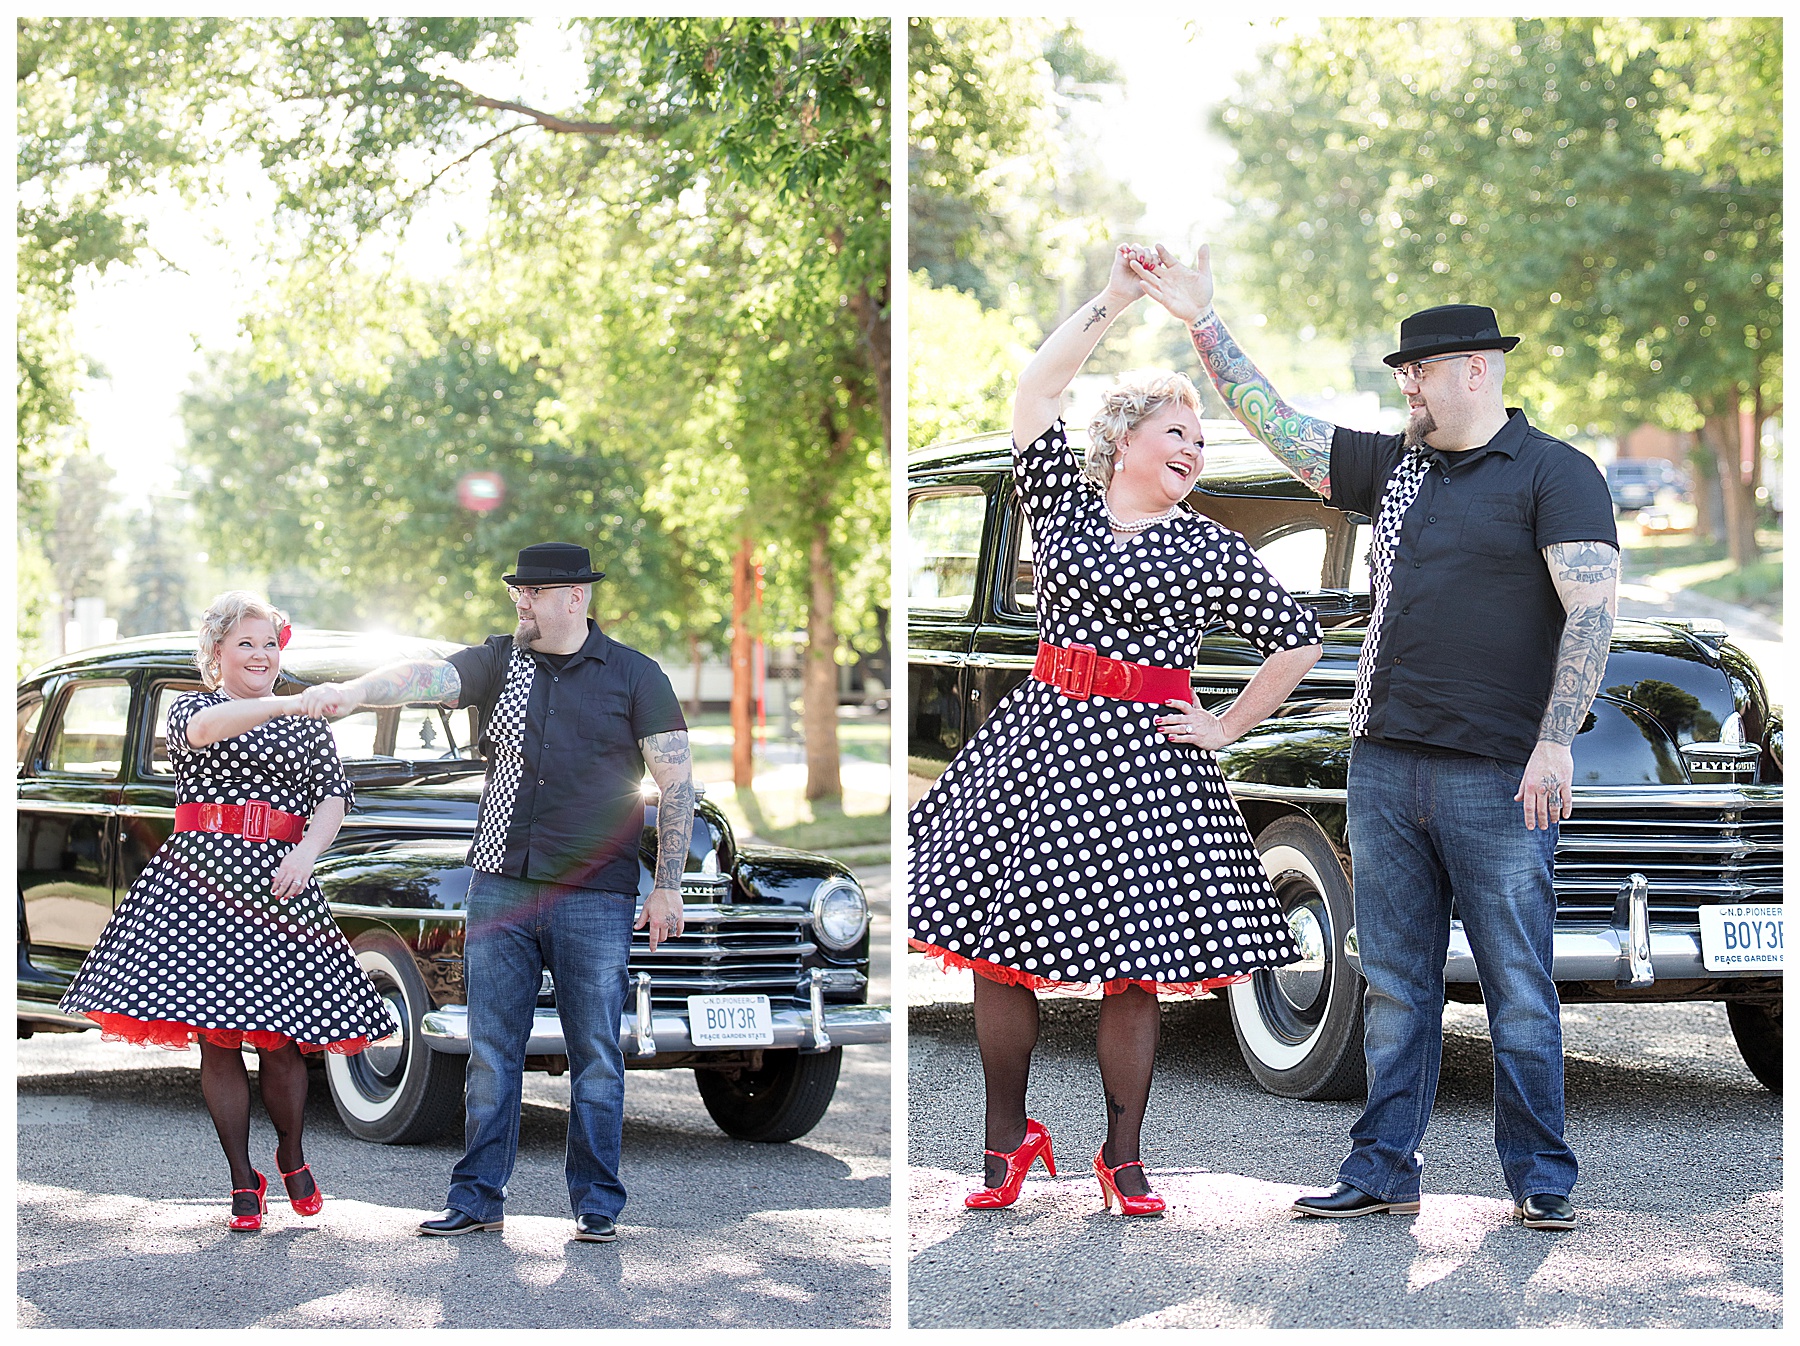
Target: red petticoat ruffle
x=179, y=1037
x=1012, y=976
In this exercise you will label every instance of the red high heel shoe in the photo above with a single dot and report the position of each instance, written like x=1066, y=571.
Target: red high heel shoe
x=1035, y=1146
x=1118, y=1202
x=303, y=1205
x=249, y=1224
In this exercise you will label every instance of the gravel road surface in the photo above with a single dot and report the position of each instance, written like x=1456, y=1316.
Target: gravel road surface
x=1680, y=1202
x=122, y=1208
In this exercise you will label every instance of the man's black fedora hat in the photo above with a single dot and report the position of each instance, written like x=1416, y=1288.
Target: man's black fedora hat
x=554, y=563
x=1447, y=328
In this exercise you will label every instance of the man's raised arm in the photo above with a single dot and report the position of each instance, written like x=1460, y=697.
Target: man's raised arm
x=402, y=684
x=1301, y=442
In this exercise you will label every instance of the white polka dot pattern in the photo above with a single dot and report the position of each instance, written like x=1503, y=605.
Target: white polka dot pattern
x=506, y=766
x=199, y=939
x=1402, y=489
x=1069, y=840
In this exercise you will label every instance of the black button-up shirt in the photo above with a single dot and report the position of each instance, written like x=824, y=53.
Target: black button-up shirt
x=561, y=803
x=1467, y=648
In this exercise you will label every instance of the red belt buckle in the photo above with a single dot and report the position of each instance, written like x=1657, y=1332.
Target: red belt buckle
x=256, y=820
x=1076, y=675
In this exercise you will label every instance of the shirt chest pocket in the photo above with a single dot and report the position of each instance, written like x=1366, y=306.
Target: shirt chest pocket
x=1498, y=526
x=606, y=715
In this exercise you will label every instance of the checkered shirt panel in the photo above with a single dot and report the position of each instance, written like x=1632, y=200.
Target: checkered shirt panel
x=1402, y=490
x=506, y=766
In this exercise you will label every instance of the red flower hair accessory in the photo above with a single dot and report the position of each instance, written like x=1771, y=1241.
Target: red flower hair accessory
x=281, y=637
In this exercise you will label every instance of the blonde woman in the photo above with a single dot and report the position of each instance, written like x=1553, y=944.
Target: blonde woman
x=1084, y=838
x=225, y=938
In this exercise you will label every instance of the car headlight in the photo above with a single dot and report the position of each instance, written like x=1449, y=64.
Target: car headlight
x=840, y=913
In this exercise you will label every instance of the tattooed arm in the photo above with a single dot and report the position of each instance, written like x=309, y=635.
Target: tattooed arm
x=1038, y=401
x=1302, y=442
x=1586, y=576
x=403, y=684
x=672, y=766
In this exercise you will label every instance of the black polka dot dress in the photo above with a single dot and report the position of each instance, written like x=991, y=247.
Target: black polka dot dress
x=1070, y=845
x=200, y=946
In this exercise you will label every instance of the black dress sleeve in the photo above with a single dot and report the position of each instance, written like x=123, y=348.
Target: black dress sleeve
x=1046, y=471
x=326, y=767
x=181, y=710
x=1250, y=600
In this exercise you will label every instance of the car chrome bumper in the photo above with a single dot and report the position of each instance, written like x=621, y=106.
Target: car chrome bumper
x=817, y=1028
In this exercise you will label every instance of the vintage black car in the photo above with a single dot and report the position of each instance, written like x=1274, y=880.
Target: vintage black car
x=96, y=799
x=1668, y=876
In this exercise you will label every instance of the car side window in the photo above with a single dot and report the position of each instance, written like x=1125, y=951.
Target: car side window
x=1296, y=559
x=944, y=545
x=159, y=764
x=89, y=737
x=1023, y=596
x=31, y=715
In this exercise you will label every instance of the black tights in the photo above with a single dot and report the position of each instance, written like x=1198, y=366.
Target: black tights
x=1006, y=1030
x=225, y=1084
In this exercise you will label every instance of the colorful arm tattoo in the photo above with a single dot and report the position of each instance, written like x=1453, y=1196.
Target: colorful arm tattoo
x=433, y=680
x=1302, y=442
x=1586, y=576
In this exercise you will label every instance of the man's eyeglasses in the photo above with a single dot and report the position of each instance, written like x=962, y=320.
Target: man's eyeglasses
x=530, y=592
x=1405, y=373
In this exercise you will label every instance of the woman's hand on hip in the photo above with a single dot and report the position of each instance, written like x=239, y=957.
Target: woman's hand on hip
x=1192, y=726
x=292, y=875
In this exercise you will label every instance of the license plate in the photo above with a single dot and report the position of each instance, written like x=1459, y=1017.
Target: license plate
x=1741, y=935
x=730, y=1021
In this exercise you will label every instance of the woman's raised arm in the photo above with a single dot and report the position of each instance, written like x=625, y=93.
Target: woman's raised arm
x=1043, y=381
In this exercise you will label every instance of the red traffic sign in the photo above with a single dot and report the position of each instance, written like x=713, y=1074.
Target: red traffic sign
x=480, y=491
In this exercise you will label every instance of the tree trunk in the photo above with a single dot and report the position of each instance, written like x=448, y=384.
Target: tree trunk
x=872, y=317
x=743, y=674
x=819, y=689
x=1723, y=433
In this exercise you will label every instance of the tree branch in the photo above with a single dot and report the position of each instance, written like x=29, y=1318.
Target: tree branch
x=549, y=120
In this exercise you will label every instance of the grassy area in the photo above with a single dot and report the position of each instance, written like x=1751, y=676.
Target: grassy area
x=1757, y=586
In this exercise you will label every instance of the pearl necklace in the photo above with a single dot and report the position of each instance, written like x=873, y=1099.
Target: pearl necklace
x=1136, y=525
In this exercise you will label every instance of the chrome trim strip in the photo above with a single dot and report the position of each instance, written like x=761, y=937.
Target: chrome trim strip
x=155, y=811
x=410, y=823
x=1254, y=790
x=1598, y=954
x=400, y=913
x=67, y=806
x=447, y=1030
x=936, y=658
x=1336, y=677
x=43, y=1011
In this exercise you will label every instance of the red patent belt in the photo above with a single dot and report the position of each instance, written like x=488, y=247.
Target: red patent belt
x=253, y=820
x=1077, y=671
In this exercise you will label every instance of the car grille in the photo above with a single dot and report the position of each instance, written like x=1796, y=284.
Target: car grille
x=725, y=952
x=1690, y=854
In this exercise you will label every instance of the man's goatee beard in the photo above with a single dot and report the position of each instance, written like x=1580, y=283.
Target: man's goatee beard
x=523, y=635
x=1417, y=427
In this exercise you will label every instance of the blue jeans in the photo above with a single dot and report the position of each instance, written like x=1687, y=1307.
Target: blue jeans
x=517, y=927
x=1423, y=827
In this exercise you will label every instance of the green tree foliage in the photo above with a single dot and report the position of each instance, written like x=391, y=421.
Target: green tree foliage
x=965, y=363
x=1550, y=168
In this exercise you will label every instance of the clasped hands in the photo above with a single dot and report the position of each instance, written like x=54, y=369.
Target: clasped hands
x=326, y=701
x=1185, y=291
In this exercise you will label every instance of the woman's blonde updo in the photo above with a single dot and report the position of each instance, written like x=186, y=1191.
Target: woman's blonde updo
x=1137, y=396
x=227, y=610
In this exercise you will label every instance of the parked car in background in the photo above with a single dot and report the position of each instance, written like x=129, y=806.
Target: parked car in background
x=1668, y=876
x=1639, y=483
x=776, y=947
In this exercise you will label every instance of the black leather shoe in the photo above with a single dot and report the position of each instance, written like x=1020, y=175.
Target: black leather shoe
x=455, y=1222
x=595, y=1228
x=1345, y=1201
x=1546, y=1210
